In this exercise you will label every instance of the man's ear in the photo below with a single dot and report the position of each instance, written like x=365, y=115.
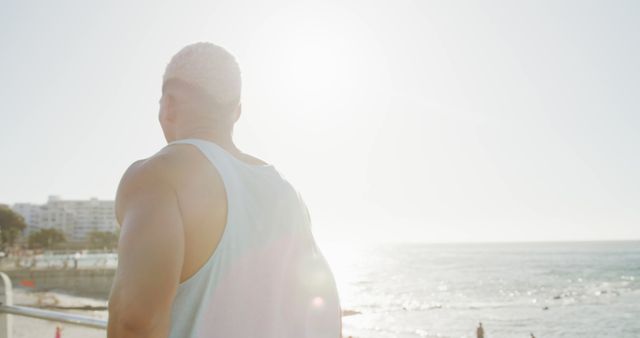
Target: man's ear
x=170, y=108
x=237, y=113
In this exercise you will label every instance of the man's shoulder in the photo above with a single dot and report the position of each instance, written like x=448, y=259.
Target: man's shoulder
x=143, y=175
x=161, y=165
x=156, y=167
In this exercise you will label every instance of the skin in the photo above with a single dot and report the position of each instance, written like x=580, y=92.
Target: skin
x=172, y=210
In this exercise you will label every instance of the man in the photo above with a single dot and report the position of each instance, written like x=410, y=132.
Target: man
x=480, y=331
x=214, y=242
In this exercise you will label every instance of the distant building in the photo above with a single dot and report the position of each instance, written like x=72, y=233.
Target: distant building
x=75, y=218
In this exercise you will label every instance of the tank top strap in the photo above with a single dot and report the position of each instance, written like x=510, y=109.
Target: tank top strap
x=227, y=170
x=216, y=155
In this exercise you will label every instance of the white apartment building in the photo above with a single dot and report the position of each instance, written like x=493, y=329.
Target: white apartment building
x=75, y=218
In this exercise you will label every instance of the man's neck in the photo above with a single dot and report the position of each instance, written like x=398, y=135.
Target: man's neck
x=224, y=140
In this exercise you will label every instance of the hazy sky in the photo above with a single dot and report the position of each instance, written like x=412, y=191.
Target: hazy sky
x=403, y=120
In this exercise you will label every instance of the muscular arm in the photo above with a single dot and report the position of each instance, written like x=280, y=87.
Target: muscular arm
x=150, y=253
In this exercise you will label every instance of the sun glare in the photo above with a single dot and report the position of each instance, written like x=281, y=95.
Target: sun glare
x=342, y=257
x=314, y=60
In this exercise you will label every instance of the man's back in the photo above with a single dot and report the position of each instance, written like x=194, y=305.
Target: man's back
x=250, y=263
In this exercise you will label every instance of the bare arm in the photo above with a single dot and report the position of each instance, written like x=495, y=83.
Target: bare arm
x=150, y=254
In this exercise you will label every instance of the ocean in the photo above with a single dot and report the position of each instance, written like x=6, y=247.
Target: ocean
x=573, y=290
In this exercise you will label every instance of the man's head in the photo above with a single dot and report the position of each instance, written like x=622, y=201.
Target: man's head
x=200, y=90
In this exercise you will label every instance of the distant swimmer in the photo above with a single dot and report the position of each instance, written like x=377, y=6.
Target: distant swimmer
x=214, y=242
x=480, y=331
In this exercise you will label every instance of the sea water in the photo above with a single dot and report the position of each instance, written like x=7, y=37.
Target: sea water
x=577, y=290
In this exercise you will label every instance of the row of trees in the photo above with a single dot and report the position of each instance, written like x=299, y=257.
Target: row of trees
x=12, y=224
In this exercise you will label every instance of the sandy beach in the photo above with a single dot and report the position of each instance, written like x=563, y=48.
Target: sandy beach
x=29, y=328
x=24, y=327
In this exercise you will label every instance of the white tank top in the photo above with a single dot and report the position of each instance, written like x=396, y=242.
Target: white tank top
x=266, y=278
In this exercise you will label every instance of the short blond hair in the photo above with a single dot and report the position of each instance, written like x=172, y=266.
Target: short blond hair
x=209, y=67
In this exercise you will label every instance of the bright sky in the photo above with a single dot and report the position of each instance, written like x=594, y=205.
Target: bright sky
x=396, y=120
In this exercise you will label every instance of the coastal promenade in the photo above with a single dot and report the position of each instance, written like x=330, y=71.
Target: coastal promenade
x=85, y=282
x=87, y=275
